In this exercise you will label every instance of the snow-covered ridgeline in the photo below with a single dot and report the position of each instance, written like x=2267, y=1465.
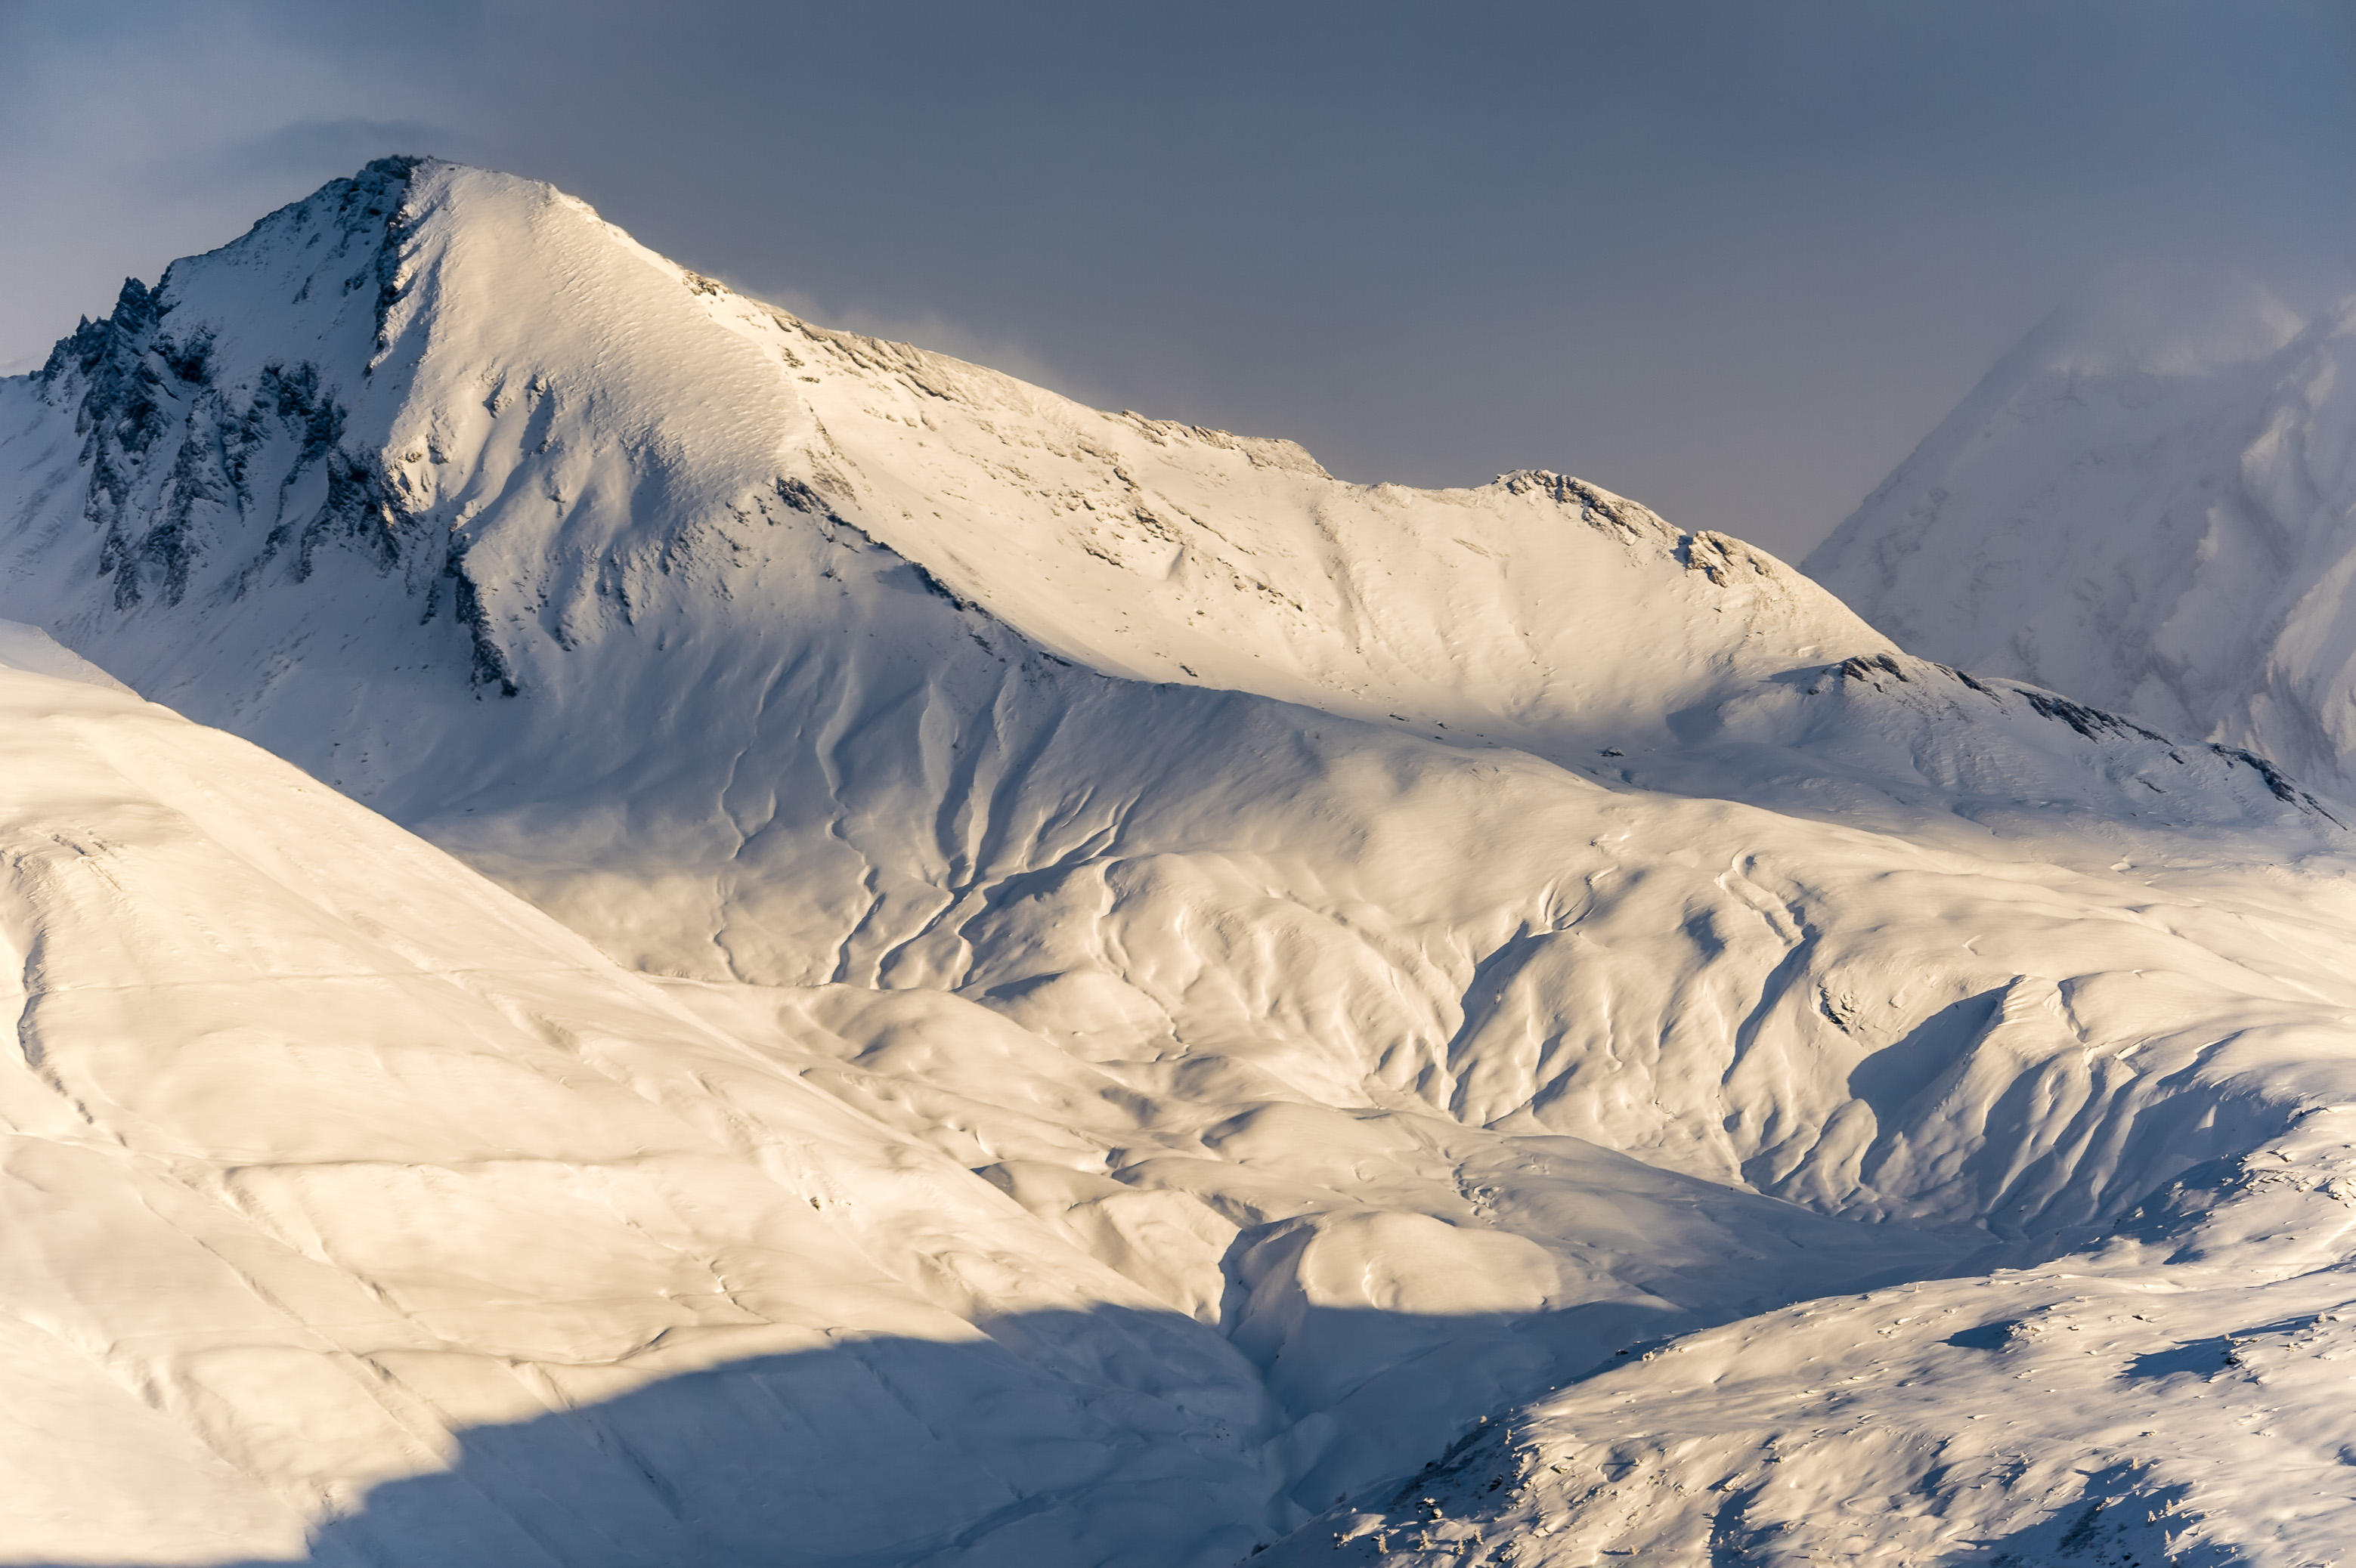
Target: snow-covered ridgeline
x=1301, y=899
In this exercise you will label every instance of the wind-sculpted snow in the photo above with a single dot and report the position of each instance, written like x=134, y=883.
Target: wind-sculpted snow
x=2158, y=527
x=1358, y=957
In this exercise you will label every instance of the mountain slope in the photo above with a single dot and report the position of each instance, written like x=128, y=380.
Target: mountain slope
x=1408, y=945
x=353, y=1202
x=754, y=739
x=2151, y=517
x=322, y=1150
x=2179, y=1395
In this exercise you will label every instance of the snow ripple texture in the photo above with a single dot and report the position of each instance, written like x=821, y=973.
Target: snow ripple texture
x=963, y=979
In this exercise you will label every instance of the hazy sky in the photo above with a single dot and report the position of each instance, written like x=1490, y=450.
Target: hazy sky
x=1733, y=258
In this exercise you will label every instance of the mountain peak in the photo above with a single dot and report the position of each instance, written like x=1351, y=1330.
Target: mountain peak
x=2145, y=506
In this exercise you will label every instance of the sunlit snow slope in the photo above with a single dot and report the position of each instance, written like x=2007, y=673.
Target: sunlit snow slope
x=2151, y=507
x=1392, y=949
x=328, y=1165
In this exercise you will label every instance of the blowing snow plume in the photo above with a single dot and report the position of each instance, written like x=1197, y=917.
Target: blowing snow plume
x=1191, y=982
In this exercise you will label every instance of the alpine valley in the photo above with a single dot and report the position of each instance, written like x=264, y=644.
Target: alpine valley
x=648, y=933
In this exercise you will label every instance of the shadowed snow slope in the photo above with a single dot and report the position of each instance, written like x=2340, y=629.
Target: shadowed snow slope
x=2153, y=518
x=1348, y=958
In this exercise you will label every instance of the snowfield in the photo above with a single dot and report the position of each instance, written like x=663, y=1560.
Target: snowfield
x=963, y=979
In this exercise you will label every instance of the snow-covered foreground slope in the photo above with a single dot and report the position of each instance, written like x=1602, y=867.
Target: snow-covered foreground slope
x=1350, y=959
x=2181, y=1396
x=350, y=1198
x=328, y=1164
x=2147, y=506
x=348, y=1195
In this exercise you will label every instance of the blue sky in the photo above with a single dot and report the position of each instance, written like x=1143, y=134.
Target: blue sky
x=1730, y=258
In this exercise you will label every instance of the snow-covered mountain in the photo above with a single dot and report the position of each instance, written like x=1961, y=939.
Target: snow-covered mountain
x=1282, y=969
x=2149, y=505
